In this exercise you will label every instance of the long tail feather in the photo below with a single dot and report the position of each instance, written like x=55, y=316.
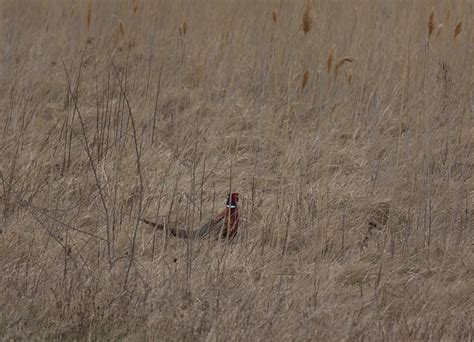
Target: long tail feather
x=153, y=224
x=211, y=227
x=179, y=233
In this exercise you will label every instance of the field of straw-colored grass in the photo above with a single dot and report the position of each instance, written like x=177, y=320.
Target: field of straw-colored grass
x=328, y=117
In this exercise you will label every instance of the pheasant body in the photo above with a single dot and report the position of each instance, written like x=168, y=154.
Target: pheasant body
x=224, y=225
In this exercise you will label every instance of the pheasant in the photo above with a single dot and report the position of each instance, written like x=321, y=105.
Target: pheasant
x=224, y=225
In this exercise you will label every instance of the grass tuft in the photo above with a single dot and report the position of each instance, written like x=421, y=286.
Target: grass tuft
x=356, y=199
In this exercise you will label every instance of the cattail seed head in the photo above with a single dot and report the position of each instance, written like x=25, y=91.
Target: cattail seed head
x=305, y=79
x=89, y=14
x=431, y=24
x=274, y=16
x=183, y=28
x=458, y=29
x=329, y=60
x=121, y=29
x=307, y=18
x=135, y=6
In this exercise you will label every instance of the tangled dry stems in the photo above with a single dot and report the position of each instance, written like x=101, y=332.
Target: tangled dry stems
x=109, y=114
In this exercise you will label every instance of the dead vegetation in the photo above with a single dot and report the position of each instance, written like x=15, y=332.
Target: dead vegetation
x=357, y=190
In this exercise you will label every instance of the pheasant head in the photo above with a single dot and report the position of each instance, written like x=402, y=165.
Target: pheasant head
x=232, y=200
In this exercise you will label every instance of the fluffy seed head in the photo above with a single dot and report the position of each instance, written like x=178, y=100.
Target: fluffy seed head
x=89, y=14
x=329, y=60
x=305, y=79
x=431, y=24
x=121, y=29
x=183, y=28
x=135, y=6
x=307, y=19
x=458, y=29
x=274, y=16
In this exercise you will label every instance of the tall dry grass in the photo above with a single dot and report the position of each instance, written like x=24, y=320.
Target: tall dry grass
x=357, y=190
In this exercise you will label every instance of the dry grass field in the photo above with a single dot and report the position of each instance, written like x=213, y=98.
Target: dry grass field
x=346, y=127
